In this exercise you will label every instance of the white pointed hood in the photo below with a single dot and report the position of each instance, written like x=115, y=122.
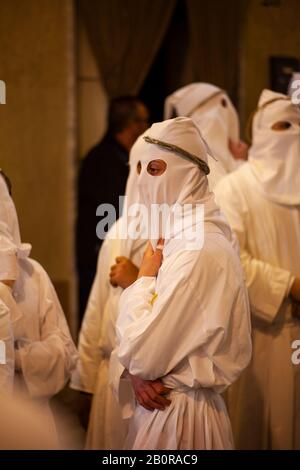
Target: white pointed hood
x=179, y=144
x=214, y=114
x=274, y=156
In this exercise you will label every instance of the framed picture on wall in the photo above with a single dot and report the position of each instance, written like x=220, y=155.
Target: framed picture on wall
x=281, y=71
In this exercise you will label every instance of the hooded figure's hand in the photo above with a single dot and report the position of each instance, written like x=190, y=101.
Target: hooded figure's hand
x=152, y=260
x=150, y=393
x=124, y=273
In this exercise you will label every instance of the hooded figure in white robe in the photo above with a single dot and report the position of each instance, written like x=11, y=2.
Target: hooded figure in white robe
x=214, y=114
x=10, y=316
x=44, y=352
x=262, y=203
x=7, y=357
x=107, y=429
x=11, y=321
x=8, y=265
x=190, y=325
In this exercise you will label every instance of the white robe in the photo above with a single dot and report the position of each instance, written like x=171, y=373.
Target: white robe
x=264, y=405
x=22, y=427
x=11, y=330
x=7, y=356
x=46, y=354
x=190, y=327
x=107, y=429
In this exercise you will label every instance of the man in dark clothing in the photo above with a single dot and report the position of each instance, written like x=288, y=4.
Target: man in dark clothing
x=102, y=179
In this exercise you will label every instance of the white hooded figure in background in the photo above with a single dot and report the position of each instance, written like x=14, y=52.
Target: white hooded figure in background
x=117, y=262
x=184, y=322
x=7, y=355
x=214, y=114
x=11, y=318
x=8, y=274
x=11, y=249
x=262, y=203
x=44, y=352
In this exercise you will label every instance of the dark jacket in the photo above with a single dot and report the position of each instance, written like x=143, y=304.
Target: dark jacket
x=102, y=179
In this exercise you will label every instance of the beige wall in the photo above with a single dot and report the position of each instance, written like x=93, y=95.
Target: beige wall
x=267, y=31
x=92, y=98
x=37, y=129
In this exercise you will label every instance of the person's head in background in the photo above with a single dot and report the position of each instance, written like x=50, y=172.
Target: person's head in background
x=212, y=110
x=128, y=118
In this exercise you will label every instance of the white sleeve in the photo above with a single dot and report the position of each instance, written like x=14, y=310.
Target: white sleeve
x=47, y=364
x=267, y=285
x=205, y=320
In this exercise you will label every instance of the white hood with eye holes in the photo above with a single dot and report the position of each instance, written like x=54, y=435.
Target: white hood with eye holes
x=183, y=183
x=216, y=117
x=274, y=156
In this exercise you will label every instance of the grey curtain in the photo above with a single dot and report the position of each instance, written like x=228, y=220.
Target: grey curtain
x=215, y=29
x=125, y=36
